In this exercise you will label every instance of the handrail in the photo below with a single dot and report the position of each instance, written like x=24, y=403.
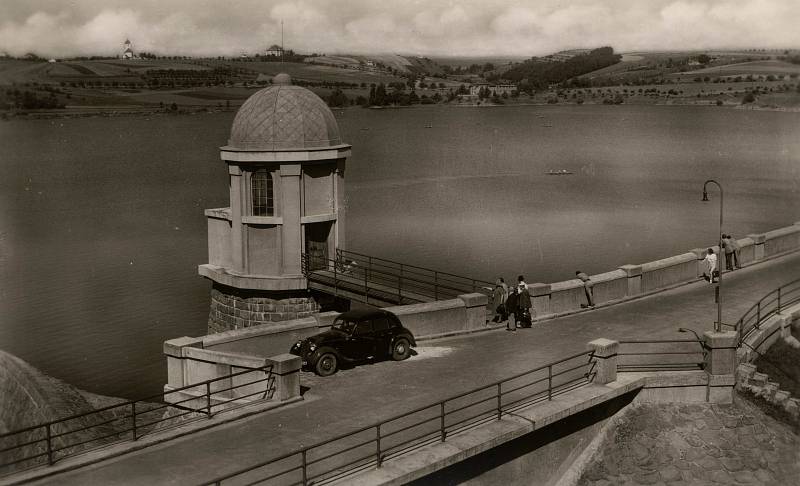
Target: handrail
x=769, y=305
x=399, y=282
x=48, y=432
x=491, y=407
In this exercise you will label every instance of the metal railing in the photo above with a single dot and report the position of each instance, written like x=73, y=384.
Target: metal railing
x=51, y=441
x=386, y=280
x=766, y=307
x=662, y=355
x=373, y=445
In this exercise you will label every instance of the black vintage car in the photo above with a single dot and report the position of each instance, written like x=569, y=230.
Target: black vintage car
x=356, y=335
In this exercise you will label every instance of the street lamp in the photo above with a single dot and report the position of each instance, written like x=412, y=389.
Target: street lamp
x=717, y=292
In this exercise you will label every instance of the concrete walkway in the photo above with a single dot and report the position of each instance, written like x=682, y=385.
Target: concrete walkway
x=366, y=394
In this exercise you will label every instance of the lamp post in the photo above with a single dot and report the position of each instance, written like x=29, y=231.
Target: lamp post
x=717, y=291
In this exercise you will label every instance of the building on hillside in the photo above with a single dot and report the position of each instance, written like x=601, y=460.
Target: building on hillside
x=493, y=89
x=275, y=51
x=127, y=50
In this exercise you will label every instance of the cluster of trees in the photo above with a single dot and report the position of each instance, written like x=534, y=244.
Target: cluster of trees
x=217, y=76
x=30, y=100
x=478, y=69
x=539, y=75
x=379, y=95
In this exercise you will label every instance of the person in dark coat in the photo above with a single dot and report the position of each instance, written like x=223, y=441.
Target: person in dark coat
x=512, y=308
x=587, y=288
x=524, y=305
x=499, y=295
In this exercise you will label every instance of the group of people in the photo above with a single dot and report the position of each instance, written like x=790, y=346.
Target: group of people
x=512, y=304
x=732, y=261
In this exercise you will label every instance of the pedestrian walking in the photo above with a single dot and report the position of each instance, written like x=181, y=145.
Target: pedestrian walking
x=524, y=305
x=587, y=288
x=710, y=266
x=499, y=296
x=728, y=246
x=511, y=309
x=737, y=262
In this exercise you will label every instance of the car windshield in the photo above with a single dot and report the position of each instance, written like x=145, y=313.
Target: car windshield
x=344, y=326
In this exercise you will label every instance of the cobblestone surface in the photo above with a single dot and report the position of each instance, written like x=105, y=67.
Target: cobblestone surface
x=696, y=444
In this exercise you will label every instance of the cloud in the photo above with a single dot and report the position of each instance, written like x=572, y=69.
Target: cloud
x=432, y=27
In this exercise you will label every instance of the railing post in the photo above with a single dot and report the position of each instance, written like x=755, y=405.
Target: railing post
x=49, y=446
x=133, y=418
x=208, y=398
x=305, y=467
x=378, y=444
x=758, y=315
x=366, y=286
x=550, y=382
x=499, y=400
x=441, y=416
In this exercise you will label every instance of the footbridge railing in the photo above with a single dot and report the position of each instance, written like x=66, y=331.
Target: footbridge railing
x=375, y=280
x=370, y=446
x=769, y=305
x=131, y=420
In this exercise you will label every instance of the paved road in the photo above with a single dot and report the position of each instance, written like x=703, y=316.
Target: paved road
x=366, y=394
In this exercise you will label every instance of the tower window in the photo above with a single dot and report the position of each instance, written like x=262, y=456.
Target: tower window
x=263, y=202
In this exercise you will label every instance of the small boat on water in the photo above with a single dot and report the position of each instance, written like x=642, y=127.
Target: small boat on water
x=559, y=172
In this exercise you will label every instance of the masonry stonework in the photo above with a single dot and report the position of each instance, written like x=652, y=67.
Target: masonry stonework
x=233, y=308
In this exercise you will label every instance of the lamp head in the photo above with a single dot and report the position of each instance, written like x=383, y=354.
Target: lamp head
x=705, y=196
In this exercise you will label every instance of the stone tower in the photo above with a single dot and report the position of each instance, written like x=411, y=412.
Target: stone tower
x=286, y=163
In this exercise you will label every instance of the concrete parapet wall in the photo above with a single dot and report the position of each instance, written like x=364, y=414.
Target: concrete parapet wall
x=669, y=271
x=631, y=281
x=566, y=296
x=610, y=286
x=781, y=240
x=190, y=363
x=672, y=386
x=747, y=253
x=264, y=340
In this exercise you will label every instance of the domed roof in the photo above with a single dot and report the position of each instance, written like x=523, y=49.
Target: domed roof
x=284, y=117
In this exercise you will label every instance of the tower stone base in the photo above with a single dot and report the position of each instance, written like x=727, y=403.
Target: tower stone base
x=233, y=308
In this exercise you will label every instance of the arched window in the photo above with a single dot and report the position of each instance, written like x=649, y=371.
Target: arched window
x=263, y=202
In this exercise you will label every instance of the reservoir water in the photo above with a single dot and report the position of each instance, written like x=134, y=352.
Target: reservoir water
x=102, y=226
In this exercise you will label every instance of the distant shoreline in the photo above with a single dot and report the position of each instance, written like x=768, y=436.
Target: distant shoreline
x=145, y=112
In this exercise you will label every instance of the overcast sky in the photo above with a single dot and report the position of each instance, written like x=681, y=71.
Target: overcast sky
x=430, y=27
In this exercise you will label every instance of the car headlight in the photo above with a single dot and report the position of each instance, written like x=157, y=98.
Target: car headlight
x=312, y=347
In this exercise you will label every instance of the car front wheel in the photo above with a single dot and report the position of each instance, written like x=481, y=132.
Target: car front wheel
x=401, y=349
x=326, y=365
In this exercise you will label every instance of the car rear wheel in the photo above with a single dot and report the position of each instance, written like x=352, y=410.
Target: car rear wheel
x=401, y=349
x=326, y=365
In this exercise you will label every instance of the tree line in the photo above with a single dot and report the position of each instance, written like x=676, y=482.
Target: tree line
x=535, y=74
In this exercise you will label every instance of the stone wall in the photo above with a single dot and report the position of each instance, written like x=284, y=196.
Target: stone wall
x=632, y=281
x=237, y=309
x=750, y=380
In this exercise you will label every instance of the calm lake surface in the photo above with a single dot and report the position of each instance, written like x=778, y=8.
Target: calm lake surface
x=102, y=226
